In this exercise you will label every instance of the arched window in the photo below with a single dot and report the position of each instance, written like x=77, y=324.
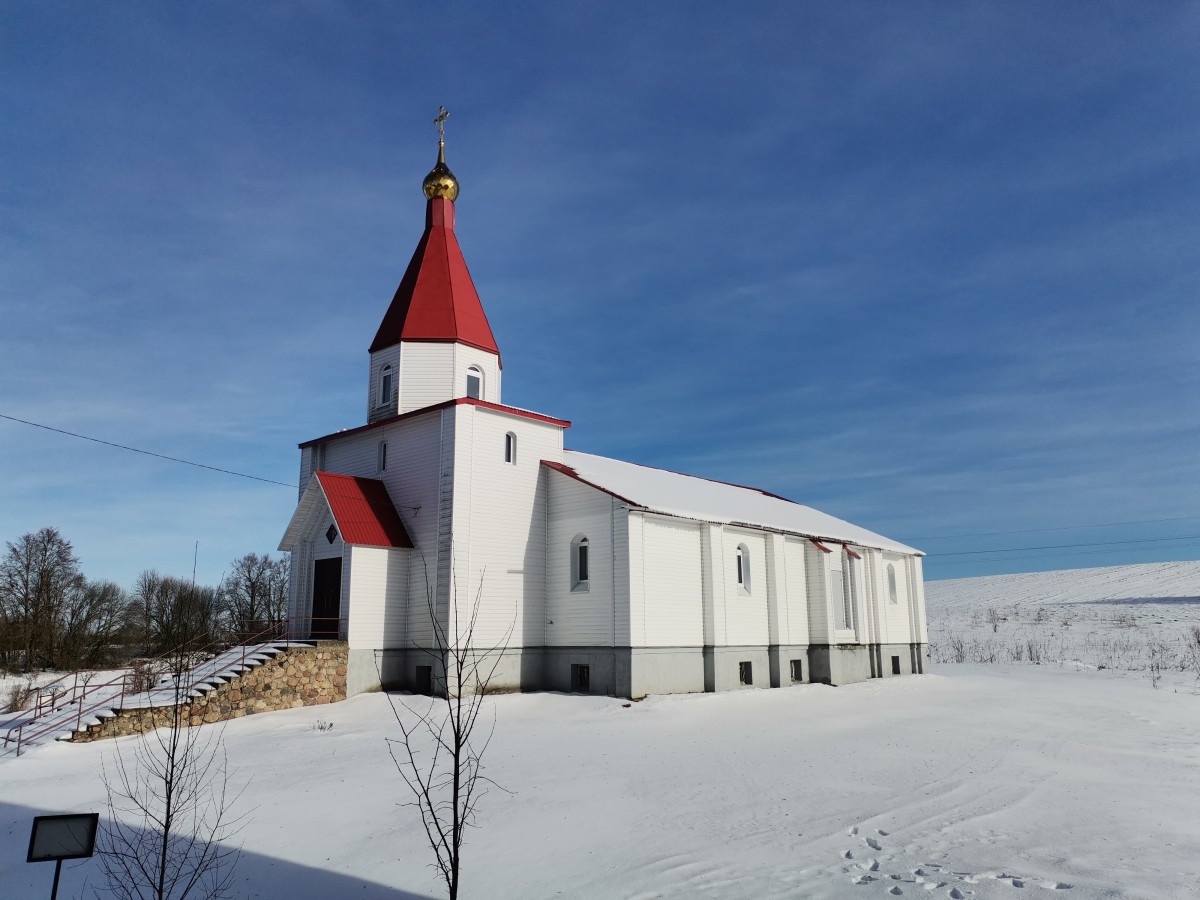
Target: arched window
x=385, y=385
x=844, y=584
x=474, y=383
x=382, y=455
x=580, y=564
x=510, y=448
x=893, y=593
x=742, y=559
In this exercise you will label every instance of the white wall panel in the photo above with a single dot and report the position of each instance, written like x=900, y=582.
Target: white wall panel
x=581, y=618
x=796, y=590
x=500, y=513
x=745, y=612
x=672, y=592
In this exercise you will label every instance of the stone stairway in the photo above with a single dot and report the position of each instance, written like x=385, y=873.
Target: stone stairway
x=238, y=682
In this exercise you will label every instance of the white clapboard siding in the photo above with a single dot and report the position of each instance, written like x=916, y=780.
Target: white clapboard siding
x=426, y=374
x=352, y=454
x=580, y=617
x=500, y=511
x=670, y=591
x=796, y=591
x=897, y=616
x=379, y=576
x=820, y=615
x=745, y=612
x=434, y=372
x=487, y=363
x=378, y=406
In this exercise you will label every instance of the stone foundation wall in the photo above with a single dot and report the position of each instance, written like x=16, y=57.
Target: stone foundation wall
x=301, y=676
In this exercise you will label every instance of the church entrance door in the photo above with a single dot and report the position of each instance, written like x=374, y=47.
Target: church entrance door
x=327, y=598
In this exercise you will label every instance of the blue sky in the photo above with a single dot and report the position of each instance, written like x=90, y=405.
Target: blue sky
x=928, y=267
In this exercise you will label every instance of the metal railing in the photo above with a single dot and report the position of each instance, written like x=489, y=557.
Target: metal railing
x=90, y=696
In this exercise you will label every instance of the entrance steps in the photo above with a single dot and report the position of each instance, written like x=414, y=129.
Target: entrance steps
x=239, y=681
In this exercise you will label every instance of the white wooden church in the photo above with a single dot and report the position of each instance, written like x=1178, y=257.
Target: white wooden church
x=606, y=576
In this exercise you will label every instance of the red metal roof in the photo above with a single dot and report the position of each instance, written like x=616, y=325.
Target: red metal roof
x=436, y=300
x=363, y=511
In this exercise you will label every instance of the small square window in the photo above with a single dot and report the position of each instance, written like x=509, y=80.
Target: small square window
x=797, y=670
x=745, y=673
x=331, y=534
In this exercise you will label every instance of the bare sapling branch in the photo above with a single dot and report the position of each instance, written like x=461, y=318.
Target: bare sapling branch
x=443, y=738
x=170, y=819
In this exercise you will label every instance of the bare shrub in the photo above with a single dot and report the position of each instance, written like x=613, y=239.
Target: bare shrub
x=1034, y=650
x=19, y=696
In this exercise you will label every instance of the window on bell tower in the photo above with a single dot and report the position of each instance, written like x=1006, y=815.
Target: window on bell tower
x=474, y=383
x=385, y=385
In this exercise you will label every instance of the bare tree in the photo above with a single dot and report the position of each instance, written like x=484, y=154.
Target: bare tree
x=93, y=618
x=170, y=817
x=254, y=593
x=37, y=572
x=440, y=753
x=175, y=613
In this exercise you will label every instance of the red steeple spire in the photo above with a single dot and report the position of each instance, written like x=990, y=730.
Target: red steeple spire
x=436, y=300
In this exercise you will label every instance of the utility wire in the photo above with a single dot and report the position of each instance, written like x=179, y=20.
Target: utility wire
x=945, y=537
x=1178, y=537
x=186, y=462
x=964, y=562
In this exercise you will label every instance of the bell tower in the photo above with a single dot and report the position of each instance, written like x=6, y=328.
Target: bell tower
x=435, y=343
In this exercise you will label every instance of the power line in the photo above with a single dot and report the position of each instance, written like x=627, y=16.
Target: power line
x=963, y=562
x=942, y=537
x=1178, y=537
x=186, y=462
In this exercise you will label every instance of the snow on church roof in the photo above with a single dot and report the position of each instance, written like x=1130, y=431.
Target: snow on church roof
x=690, y=497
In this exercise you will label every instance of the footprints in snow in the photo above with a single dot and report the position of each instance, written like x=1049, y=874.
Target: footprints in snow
x=931, y=876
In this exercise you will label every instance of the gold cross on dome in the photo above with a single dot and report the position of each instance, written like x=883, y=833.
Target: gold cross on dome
x=440, y=122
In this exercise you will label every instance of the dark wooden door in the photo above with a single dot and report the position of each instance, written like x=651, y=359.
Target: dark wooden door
x=327, y=597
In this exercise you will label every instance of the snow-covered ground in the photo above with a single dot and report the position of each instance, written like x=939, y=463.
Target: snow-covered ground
x=975, y=781
x=988, y=781
x=1141, y=619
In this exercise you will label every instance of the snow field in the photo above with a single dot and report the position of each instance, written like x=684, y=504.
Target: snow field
x=972, y=782
x=1141, y=619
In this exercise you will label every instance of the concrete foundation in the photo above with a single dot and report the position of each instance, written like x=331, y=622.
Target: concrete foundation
x=638, y=672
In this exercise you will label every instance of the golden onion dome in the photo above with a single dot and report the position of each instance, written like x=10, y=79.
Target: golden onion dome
x=440, y=182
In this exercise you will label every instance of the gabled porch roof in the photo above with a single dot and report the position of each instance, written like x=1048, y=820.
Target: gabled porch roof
x=361, y=508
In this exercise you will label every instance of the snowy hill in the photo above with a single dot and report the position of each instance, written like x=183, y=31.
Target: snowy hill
x=1143, y=618
x=1161, y=583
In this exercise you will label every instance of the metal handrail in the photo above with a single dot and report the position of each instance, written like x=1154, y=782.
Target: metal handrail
x=285, y=631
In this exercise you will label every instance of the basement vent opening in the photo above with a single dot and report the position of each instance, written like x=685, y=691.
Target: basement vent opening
x=424, y=680
x=745, y=673
x=895, y=665
x=581, y=679
x=797, y=670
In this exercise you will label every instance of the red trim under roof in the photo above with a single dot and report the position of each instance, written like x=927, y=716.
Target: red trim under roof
x=820, y=546
x=436, y=299
x=412, y=413
x=363, y=511
x=851, y=552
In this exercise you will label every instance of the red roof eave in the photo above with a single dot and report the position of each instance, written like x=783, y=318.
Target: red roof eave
x=445, y=404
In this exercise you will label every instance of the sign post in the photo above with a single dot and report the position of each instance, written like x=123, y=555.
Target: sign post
x=71, y=836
